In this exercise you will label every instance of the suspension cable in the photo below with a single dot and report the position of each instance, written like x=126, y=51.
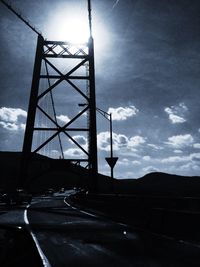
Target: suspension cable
x=54, y=110
x=25, y=20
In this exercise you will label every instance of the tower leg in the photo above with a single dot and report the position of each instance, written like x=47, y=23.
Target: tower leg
x=93, y=130
x=28, y=136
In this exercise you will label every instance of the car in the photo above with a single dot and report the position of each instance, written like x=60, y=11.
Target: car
x=5, y=198
x=49, y=192
x=18, y=196
x=62, y=190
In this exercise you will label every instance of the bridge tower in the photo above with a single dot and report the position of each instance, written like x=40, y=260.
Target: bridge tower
x=48, y=53
x=68, y=68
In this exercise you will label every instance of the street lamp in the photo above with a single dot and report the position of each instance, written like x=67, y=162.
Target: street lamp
x=110, y=160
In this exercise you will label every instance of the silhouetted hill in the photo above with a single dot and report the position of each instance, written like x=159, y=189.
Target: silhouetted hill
x=161, y=184
x=45, y=173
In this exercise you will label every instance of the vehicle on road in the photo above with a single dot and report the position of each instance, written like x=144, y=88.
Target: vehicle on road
x=18, y=197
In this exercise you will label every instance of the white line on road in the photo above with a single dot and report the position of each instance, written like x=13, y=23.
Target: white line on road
x=69, y=204
x=82, y=211
x=122, y=224
x=41, y=253
x=87, y=213
x=90, y=214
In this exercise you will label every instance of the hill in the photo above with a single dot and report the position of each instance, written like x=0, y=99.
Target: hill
x=45, y=173
x=161, y=184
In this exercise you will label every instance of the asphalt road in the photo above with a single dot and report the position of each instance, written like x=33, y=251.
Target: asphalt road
x=67, y=236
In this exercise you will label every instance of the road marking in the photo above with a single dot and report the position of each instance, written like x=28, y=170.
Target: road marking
x=87, y=213
x=82, y=211
x=41, y=253
x=66, y=202
x=69, y=204
x=122, y=224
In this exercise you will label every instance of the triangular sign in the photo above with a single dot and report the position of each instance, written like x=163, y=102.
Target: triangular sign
x=112, y=161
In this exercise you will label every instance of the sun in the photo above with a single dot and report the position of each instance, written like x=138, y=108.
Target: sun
x=73, y=29
x=65, y=25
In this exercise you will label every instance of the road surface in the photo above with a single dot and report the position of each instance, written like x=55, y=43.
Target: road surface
x=67, y=236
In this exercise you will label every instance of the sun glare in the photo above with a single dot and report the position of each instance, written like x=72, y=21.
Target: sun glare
x=66, y=26
x=73, y=30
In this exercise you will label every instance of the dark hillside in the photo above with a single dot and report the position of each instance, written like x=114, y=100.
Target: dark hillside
x=45, y=173
x=161, y=184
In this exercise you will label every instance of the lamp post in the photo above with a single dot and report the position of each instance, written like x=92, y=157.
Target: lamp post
x=110, y=160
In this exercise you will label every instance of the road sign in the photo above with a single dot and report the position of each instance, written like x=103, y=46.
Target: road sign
x=112, y=161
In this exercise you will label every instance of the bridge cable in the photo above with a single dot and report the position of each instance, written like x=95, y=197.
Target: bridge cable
x=21, y=17
x=54, y=110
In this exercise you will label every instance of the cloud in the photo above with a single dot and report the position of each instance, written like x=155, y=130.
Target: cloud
x=122, y=113
x=124, y=162
x=180, y=164
x=175, y=159
x=178, y=151
x=147, y=158
x=190, y=166
x=197, y=145
x=80, y=139
x=136, y=162
x=73, y=152
x=11, y=114
x=195, y=157
x=155, y=146
x=12, y=126
x=176, y=113
x=119, y=141
x=180, y=141
x=150, y=169
x=55, y=154
x=103, y=141
x=176, y=119
x=12, y=119
x=63, y=118
x=135, y=141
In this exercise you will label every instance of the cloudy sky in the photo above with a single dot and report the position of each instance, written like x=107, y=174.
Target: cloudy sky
x=147, y=56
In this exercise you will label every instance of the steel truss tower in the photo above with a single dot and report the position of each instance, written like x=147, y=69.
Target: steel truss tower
x=77, y=58
x=79, y=62
x=45, y=52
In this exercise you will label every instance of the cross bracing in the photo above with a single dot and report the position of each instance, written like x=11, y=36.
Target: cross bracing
x=75, y=80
